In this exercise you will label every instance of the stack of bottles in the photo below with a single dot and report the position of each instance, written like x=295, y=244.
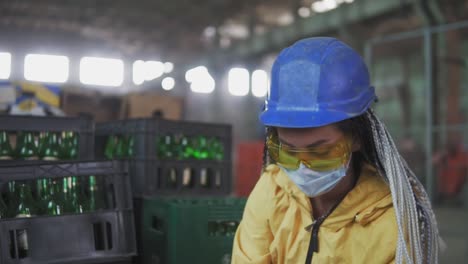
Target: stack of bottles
x=28, y=145
x=174, y=147
x=168, y=146
x=52, y=196
x=181, y=147
x=122, y=146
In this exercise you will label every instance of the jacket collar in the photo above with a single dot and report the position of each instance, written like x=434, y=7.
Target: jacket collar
x=369, y=199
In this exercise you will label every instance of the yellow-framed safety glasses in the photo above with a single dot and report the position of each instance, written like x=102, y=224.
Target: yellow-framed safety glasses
x=323, y=158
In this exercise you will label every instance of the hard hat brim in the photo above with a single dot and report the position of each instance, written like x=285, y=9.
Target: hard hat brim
x=304, y=118
x=301, y=119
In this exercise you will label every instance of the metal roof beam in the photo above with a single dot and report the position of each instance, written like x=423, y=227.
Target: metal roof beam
x=283, y=36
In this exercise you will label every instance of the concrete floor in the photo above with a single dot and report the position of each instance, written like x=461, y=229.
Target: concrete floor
x=453, y=227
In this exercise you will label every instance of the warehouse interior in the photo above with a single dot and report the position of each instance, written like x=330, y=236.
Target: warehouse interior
x=155, y=72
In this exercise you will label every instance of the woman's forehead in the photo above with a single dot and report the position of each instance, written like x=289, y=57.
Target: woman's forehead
x=302, y=137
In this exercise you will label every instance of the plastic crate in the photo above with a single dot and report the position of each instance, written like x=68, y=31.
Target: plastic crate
x=150, y=175
x=103, y=236
x=185, y=230
x=82, y=125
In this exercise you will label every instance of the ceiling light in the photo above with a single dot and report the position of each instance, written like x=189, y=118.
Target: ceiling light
x=259, y=83
x=101, y=71
x=153, y=70
x=138, y=72
x=168, y=67
x=5, y=65
x=200, y=80
x=238, y=81
x=46, y=68
x=304, y=12
x=168, y=83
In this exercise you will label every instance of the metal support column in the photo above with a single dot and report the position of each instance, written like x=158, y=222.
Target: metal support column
x=429, y=126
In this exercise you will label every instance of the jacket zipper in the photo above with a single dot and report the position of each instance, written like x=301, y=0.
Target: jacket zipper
x=313, y=244
x=314, y=229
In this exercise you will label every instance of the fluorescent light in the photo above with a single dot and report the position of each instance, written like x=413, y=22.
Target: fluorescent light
x=319, y=7
x=200, y=80
x=46, y=68
x=153, y=70
x=5, y=65
x=238, y=81
x=101, y=71
x=330, y=4
x=138, y=72
x=304, y=12
x=168, y=83
x=190, y=74
x=327, y=5
x=259, y=83
x=168, y=67
x=149, y=70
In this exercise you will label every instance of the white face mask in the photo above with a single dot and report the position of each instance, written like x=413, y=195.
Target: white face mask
x=315, y=183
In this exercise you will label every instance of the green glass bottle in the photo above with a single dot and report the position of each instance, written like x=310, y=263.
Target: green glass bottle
x=200, y=147
x=43, y=195
x=75, y=139
x=165, y=147
x=95, y=199
x=68, y=150
x=171, y=178
x=121, y=148
x=76, y=196
x=25, y=147
x=66, y=196
x=38, y=197
x=184, y=151
x=51, y=148
x=6, y=151
x=204, y=179
x=55, y=203
x=12, y=198
x=215, y=149
x=24, y=209
x=179, y=145
x=111, y=145
x=43, y=136
x=191, y=151
x=131, y=146
x=203, y=145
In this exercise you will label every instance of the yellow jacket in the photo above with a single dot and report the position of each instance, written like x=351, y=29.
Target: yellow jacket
x=362, y=228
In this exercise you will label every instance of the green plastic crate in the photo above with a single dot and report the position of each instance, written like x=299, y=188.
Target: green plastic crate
x=189, y=230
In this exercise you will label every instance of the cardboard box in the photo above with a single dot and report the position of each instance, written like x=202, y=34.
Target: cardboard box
x=101, y=107
x=146, y=104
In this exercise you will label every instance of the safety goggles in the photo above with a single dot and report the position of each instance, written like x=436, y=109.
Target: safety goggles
x=323, y=158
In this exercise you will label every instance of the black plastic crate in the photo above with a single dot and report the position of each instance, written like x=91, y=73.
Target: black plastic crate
x=150, y=173
x=101, y=236
x=83, y=126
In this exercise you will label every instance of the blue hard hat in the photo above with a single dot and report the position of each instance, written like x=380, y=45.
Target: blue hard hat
x=316, y=82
